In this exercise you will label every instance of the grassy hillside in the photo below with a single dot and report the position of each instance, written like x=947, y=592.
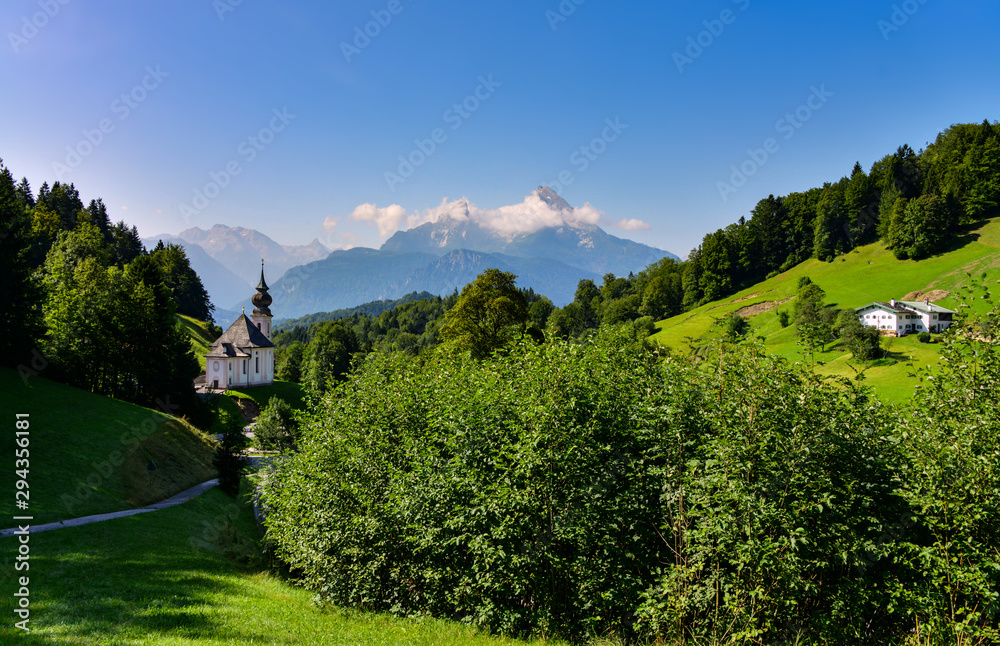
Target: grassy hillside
x=869, y=273
x=187, y=575
x=292, y=393
x=89, y=454
x=201, y=334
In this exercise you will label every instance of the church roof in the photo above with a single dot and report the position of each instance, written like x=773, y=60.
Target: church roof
x=241, y=335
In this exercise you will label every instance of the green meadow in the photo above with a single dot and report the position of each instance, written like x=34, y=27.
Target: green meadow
x=869, y=273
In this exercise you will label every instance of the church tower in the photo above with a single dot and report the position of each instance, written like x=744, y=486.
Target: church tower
x=261, y=316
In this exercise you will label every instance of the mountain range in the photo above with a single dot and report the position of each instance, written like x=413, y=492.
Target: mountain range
x=228, y=258
x=550, y=255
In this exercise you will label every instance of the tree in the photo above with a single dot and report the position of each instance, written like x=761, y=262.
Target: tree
x=184, y=284
x=488, y=314
x=228, y=459
x=329, y=354
x=20, y=317
x=588, y=297
x=567, y=322
x=276, y=428
x=862, y=340
x=734, y=327
x=124, y=243
x=288, y=365
x=539, y=312
x=811, y=325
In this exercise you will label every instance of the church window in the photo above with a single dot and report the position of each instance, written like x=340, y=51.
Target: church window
x=258, y=325
x=258, y=364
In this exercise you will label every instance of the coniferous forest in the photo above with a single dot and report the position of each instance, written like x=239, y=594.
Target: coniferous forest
x=89, y=305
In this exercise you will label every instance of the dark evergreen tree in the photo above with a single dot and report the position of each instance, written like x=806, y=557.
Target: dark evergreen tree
x=20, y=316
x=185, y=286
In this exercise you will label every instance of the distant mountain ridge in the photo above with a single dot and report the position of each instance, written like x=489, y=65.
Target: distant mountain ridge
x=444, y=255
x=346, y=278
x=574, y=243
x=550, y=254
x=240, y=250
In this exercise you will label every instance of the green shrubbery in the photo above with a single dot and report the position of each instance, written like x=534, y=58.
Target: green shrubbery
x=582, y=489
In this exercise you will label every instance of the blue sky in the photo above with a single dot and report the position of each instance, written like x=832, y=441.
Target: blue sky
x=288, y=121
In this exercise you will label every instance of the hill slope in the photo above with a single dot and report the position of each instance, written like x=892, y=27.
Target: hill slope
x=89, y=454
x=869, y=273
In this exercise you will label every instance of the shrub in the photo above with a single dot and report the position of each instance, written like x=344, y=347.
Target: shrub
x=513, y=492
x=735, y=326
x=783, y=318
x=924, y=337
x=228, y=459
x=276, y=428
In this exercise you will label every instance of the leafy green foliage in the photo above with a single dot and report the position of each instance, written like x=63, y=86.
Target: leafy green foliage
x=228, y=459
x=328, y=356
x=511, y=492
x=20, y=319
x=952, y=484
x=490, y=312
x=862, y=340
x=276, y=428
x=734, y=327
x=184, y=284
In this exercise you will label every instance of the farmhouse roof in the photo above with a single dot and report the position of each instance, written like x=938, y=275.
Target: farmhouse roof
x=907, y=307
x=923, y=306
x=898, y=308
x=242, y=335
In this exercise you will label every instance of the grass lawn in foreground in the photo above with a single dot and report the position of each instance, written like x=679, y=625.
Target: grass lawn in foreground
x=173, y=577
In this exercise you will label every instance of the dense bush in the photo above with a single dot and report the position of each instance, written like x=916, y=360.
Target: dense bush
x=924, y=337
x=554, y=489
x=515, y=493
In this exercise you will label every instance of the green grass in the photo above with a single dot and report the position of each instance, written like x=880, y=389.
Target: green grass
x=186, y=575
x=293, y=394
x=89, y=454
x=869, y=273
x=201, y=334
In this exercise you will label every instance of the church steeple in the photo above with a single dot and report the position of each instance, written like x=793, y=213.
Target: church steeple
x=261, y=316
x=262, y=300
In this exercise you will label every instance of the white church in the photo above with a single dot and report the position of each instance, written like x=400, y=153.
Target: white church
x=244, y=354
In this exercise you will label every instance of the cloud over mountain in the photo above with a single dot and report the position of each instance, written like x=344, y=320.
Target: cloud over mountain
x=534, y=213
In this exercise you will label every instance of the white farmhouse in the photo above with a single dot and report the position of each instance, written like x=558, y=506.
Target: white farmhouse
x=244, y=354
x=899, y=318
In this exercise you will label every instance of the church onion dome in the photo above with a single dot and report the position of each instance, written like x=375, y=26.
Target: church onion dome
x=262, y=300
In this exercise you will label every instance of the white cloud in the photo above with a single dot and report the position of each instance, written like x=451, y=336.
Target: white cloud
x=528, y=216
x=630, y=224
x=388, y=219
x=329, y=224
